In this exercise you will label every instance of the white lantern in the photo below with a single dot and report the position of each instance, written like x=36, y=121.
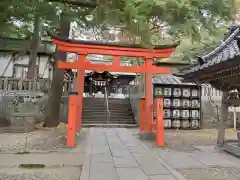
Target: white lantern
x=186, y=92
x=167, y=102
x=177, y=92
x=167, y=91
x=176, y=102
x=176, y=113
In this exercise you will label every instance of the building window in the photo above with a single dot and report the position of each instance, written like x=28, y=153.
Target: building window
x=20, y=70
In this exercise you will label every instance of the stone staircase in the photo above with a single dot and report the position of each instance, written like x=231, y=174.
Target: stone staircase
x=95, y=112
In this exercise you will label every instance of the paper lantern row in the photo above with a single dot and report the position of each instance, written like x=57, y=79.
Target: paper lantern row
x=177, y=92
x=194, y=124
x=183, y=103
x=176, y=113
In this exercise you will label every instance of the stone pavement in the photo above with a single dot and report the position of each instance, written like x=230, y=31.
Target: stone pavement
x=114, y=154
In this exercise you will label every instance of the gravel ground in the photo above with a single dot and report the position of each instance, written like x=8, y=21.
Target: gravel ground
x=41, y=140
x=44, y=174
x=187, y=140
x=215, y=173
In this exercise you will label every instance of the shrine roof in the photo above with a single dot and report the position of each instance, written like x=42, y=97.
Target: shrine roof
x=115, y=73
x=111, y=44
x=226, y=51
x=169, y=80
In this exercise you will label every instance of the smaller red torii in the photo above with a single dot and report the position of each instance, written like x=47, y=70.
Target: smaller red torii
x=83, y=48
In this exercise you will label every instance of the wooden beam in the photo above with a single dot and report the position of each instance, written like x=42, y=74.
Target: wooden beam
x=113, y=68
x=134, y=53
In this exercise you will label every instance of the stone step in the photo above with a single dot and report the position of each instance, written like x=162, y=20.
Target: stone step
x=104, y=119
x=112, y=103
x=110, y=122
x=114, y=113
x=104, y=106
x=101, y=108
x=103, y=99
x=111, y=110
x=95, y=112
x=99, y=115
x=104, y=116
x=111, y=125
x=104, y=103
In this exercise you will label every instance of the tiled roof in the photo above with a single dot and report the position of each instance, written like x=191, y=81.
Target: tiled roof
x=226, y=51
x=111, y=44
x=169, y=80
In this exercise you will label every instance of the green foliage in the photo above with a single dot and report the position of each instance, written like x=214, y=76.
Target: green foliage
x=155, y=21
x=189, y=48
x=176, y=18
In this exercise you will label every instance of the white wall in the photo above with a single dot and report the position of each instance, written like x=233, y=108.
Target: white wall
x=207, y=91
x=5, y=58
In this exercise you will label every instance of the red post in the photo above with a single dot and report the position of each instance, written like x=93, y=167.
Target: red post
x=80, y=90
x=148, y=96
x=159, y=122
x=142, y=115
x=72, y=118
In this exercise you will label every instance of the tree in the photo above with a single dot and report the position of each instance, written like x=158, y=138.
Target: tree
x=52, y=118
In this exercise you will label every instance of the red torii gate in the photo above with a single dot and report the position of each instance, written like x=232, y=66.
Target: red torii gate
x=83, y=48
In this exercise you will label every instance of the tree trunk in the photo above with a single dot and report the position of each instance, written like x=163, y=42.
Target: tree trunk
x=223, y=119
x=34, y=48
x=52, y=118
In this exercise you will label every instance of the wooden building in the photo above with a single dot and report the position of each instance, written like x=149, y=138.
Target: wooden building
x=115, y=83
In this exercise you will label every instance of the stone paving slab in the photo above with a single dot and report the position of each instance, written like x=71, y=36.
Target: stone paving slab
x=103, y=158
x=155, y=169
x=125, y=162
x=120, y=153
x=146, y=159
x=215, y=159
x=162, y=177
x=131, y=174
x=102, y=168
x=100, y=150
x=180, y=160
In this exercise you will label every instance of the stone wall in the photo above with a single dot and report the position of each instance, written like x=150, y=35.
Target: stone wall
x=136, y=91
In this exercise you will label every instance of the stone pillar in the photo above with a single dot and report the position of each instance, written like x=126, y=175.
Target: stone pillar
x=109, y=87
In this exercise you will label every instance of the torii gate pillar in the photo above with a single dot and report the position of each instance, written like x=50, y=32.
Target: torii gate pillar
x=148, y=96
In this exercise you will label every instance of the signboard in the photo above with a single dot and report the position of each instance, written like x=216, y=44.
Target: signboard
x=234, y=109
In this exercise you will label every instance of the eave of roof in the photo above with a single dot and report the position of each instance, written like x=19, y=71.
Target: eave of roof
x=170, y=80
x=227, y=50
x=111, y=44
x=171, y=63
